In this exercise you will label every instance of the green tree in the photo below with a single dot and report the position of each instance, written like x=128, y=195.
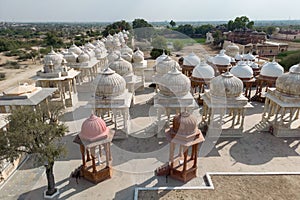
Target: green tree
x=240, y=23
x=203, y=29
x=35, y=132
x=159, y=42
x=142, y=29
x=270, y=30
x=186, y=29
x=172, y=23
x=140, y=23
x=178, y=45
x=218, y=38
x=116, y=27
x=52, y=40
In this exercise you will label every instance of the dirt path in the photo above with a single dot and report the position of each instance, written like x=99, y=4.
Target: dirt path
x=16, y=76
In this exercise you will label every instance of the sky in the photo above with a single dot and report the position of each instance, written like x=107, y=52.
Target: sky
x=150, y=10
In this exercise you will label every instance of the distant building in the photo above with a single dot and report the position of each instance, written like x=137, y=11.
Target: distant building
x=286, y=35
x=245, y=36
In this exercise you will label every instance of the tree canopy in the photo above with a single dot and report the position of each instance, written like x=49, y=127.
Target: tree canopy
x=172, y=23
x=240, y=23
x=35, y=132
x=116, y=27
x=140, y=23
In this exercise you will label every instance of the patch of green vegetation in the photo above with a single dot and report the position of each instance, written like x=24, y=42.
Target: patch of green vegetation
x=200, y=40
x=296, y=40
x=12, y=65
x=2, y=76
x=289, y=58
x=178, y=45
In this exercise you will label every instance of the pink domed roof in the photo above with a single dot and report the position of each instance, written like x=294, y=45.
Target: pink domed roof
x=93, y=128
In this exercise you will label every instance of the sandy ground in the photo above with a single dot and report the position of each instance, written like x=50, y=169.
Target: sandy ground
x=279, y=187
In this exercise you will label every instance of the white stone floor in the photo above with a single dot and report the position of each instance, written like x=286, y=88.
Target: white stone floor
x=136, y=158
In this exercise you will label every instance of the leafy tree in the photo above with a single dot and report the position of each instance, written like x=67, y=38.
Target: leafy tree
x=218, y=38
x=240, y=23
x=178, y=45
x=52, y=40
x=270, y=30
x=116, y=27
x=159, y=42
x=203, y=29
x=172, y=23
x=140, y=23
x=35, y=132
x=186, y=29
x=157, y=52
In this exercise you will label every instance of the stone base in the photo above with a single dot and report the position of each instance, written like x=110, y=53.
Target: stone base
x=280, y=131
x=52, y=196
x=73, y=101
x=224, y=133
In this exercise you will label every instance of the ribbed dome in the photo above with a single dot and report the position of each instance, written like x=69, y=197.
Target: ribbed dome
x=99, y=50
x=112, y=56
x=93, y=128
x=226, y=85
x=126, y=56
x=242, y=70
x=238, y=57
x=110, y=84
x=75, y=49
x=272, y=69
x=166, y=65
x=121, y=66
x=116, y=42
x=203, y=71
x=160, y=58
x=222, y=59
x=253, y=65
x=174, y=83
x=232, y=49
x=89, y=46
x=138, y=56
x=184, y=124
x=126, y=49
x=248, y=56
x=70, y=57
x=289, y=83
x=191, y=60
x=83, y=57
x=53, y=57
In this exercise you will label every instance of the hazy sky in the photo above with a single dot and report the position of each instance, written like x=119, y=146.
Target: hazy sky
x=151, y=10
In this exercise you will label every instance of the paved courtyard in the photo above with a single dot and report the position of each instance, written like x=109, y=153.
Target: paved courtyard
x=136, y=158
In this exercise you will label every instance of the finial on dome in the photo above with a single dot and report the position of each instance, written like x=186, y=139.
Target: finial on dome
x=274, y=59
x=222, y=51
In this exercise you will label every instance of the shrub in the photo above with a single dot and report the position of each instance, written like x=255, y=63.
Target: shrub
x=290, y=60
x=157, y=52
x=178, y=45
x=2, y=76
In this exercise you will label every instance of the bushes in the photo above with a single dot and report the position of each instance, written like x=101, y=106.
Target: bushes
x=157, y=52
x=290, y=60
x=178, y=45
x=2, y=76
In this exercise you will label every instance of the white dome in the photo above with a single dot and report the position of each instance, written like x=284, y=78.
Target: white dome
x=253, y=65
x=232, y=49
x=109, y=37
x=242, y=70
x=222, y=59
x=248, y=56
x=160, y=58
x=116, y=42
x=70, y=57
x=112, y=56
x=110, y=84
x=121, y=66
x=272, y=69
x=53, y=57
x=126, y=49
x=166, y=65
x=127, y=56
x=138, y=56
x=191, y=60
x=203, y=71
x=174, y=83
x=75, y=49
x=83, y=57
x=289, y=83
x=238, y=57
x=89, y=46
x=226, y=85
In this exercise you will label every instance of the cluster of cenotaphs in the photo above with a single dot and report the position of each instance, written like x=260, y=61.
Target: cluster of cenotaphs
x=221, y=85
